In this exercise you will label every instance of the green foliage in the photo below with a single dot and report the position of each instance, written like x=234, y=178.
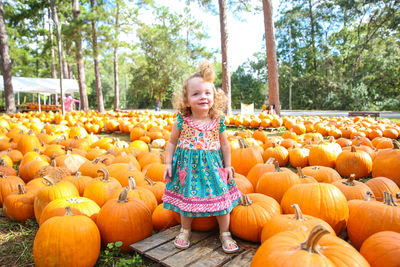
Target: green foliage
x=112, y=256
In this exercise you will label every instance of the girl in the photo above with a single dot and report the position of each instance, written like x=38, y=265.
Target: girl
x=198, y=168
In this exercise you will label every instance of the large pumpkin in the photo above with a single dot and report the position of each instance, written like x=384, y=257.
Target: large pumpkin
x=352, y=189
x=67, y=241
x=51, y=191
x=370, y=217
x=259, y=169
x=382, y=249
x=292, y=222
x=387, y=164
x=86, y=206
x=322, y=174
x=124, y=219
x=355, y=162
x=8, y=184
x=248, y=218
x=379, y=185
x=296, y=248
x=324, y=154
x=324, y=201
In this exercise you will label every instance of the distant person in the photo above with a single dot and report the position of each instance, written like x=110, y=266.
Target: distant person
x=69, y=100
x=157, y=104
x=198, y=169
x=271, y=109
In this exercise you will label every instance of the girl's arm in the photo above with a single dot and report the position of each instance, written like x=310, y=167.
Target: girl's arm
x=226, y=153
x=169, y=151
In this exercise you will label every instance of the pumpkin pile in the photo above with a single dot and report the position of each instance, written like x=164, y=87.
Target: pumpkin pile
x=321, y=178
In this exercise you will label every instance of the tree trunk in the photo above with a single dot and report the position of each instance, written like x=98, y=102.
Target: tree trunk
x=116, y=84
x=59, y=48
x=100, y=104
x=272, y=64
x=69, y=54
x=79, y=59
x=53, y=56
x=226, y=77
x=65, y=64
x=6, y=65
x=314, y=51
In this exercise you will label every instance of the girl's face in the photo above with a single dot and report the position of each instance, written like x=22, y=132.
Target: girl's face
x=200, y=95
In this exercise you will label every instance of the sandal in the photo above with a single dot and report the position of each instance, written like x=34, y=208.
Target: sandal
x=228, y=242
x=184, y=236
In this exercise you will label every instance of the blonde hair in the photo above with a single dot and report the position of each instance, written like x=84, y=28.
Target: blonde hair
x=208, y=74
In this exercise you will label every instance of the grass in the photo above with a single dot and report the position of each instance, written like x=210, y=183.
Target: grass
x=16, y=245
x=16, y=242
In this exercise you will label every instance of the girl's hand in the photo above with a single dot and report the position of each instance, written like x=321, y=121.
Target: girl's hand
x=167, y=173
x=229, y=173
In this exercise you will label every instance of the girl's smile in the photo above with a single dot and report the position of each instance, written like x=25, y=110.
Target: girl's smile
x=200, y=96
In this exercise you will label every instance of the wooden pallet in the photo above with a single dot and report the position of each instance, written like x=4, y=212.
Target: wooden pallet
x=205, y=250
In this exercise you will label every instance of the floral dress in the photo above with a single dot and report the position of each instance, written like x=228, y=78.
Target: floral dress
x=199, y=186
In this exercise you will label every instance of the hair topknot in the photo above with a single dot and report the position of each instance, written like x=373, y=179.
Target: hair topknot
x=207, y=71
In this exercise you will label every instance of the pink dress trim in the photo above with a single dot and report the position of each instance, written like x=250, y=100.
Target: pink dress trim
x=201, y=127
x=202, y=204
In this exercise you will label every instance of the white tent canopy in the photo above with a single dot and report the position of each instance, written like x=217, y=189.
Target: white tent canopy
x=44, y=86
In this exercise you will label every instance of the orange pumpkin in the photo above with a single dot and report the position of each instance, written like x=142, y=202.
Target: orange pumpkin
x=249, y=217
x=124, y=219
x=382, y=249
x=354, y=162
x=51, y=251
x=102, y=188
x=314, y=249
x=18, y=205
x=245, y=157
x=379, y=185
x=370, y=217
x=292, y=222
x=275, y=184
x=324, y=201
x=162, y=218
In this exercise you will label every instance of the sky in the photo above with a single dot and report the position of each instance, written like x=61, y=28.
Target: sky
x=245, y=37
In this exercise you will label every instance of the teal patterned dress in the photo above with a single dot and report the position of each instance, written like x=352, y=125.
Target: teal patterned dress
x=198, y=186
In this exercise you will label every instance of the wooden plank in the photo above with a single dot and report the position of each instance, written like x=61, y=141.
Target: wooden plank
x=241, y=260
x=156, y=239
x=194, y=253
x=167, y=249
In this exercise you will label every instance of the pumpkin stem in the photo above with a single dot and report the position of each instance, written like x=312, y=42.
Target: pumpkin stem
x=3, y=175
x=311, y=244
x=368, y=196
x=298, y=215
x=151, y=183
x=243, y=143
x=53, y=163
x=246, y=201
x=123, y=197
x=49, y=180
x=132, y=183
x=300, y=172
x=277, y=169
x=2, y=164
x=353, y=149
x=106, y=175
x=270, y=161
x=68, y=211
x=388, y=199
x=21, y=189
x=396, y=144
x=350, y=181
